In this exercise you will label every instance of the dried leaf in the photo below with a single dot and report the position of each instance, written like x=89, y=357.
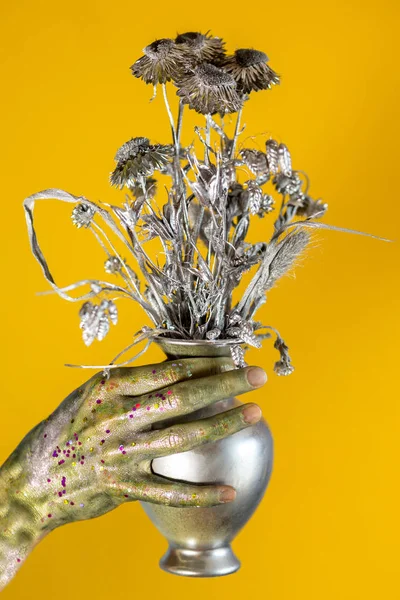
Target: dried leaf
x=95, y=320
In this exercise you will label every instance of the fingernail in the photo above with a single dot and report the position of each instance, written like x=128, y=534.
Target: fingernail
x=256, y=376
x=252, y=414
x=227, y=495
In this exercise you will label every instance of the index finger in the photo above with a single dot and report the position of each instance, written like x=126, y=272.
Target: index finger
x=135, y=381
x=186, y=397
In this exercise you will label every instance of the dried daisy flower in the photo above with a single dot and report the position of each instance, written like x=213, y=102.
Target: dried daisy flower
x=82, y=215
x=250, y=70
x=311, y=208
x=208, y=90
x=138, y=159
x=203, y=47
x=162, y=61
x=113, y=265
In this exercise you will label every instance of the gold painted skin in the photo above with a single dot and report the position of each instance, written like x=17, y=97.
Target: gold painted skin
x=94, y=452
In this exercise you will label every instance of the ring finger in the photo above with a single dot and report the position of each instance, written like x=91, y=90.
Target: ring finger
x=186, y=436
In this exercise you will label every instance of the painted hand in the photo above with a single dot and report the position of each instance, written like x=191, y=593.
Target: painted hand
x=95, y=451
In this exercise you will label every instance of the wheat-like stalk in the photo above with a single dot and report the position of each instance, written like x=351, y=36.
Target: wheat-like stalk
x=202, y=221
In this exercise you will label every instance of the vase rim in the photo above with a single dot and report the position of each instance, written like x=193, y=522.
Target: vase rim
x=183, y=342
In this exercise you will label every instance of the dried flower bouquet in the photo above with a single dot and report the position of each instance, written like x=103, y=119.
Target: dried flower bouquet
x=215, y=192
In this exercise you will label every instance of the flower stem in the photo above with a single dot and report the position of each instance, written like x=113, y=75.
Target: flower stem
x=179, y=123
x=208, y=140
x=170, y=117
x=236, y=134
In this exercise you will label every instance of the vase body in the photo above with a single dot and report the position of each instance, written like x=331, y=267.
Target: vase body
x=199, y=538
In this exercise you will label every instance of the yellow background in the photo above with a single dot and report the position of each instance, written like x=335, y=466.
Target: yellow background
x=328, y=527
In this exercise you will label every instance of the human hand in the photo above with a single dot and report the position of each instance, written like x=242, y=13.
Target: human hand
x=95, y=451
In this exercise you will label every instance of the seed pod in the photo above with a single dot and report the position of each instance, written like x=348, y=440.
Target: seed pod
x=213, y=334
x=284, y=160
x=237, y=354
x=272, y=156
x=255, y=160
x=253, y=196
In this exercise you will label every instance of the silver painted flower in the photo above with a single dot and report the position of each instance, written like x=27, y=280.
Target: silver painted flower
x=203, y=47
x=113, y=265
x=162, y=61
x=208, y=90
x=82, y=215
x=312, y=209
x=250, y=70
x=138, y=159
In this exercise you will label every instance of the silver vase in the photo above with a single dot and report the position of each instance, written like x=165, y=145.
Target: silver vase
x=199, y=538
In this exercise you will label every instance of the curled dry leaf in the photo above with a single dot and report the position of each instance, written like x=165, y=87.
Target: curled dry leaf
x=193, y=288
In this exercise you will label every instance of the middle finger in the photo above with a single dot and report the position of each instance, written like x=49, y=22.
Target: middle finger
x=191, y=395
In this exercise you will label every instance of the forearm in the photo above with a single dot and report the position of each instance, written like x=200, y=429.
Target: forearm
x=21, y=526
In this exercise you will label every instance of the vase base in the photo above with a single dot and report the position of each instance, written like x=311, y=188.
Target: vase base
x=200, y=563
